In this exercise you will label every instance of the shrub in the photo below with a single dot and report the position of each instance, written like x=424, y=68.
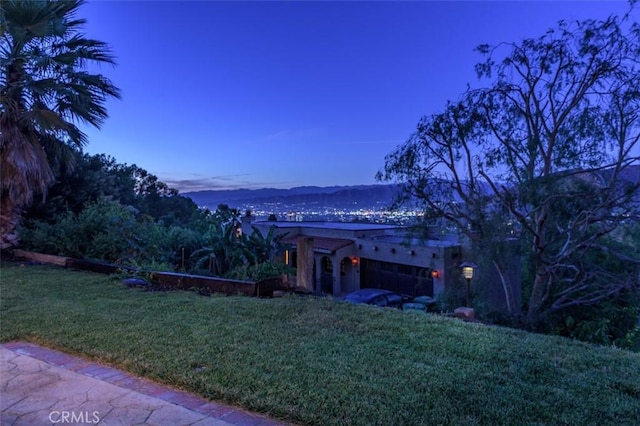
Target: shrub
x=104, y=230
x=612, y=322
x=261, y=271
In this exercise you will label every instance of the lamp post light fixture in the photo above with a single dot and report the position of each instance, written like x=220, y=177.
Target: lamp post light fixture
x=468, y=269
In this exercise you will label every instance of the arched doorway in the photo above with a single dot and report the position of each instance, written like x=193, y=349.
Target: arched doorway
x=326, y=275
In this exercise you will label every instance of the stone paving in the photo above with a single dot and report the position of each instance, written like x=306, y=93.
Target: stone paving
x=41, y=386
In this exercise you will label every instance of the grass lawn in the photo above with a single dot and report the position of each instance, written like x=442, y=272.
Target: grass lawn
x=315, y=361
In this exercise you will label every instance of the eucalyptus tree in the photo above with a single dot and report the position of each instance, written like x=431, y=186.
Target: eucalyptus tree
x=46, y=91
x=546, y=151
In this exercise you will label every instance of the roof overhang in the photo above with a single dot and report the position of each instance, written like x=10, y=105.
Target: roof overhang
x=320, y=244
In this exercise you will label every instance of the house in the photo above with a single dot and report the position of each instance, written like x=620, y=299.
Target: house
x=336, y=258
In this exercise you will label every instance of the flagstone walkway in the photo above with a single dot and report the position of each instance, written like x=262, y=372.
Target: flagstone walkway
x=41, y=386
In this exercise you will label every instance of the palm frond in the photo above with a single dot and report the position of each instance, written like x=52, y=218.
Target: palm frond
x=45, y=91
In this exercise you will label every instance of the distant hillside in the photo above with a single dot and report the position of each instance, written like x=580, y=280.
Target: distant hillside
x=631, y=176
x=367, y=195
x=364, y=196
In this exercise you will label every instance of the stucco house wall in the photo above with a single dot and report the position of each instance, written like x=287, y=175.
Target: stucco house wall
x=347, y=245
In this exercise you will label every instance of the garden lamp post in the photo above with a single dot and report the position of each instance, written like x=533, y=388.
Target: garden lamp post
x=468, y=268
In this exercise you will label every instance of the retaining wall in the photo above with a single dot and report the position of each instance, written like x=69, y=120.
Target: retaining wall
x=176, y=280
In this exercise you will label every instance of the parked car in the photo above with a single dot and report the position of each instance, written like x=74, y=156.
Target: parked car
x=377, y=297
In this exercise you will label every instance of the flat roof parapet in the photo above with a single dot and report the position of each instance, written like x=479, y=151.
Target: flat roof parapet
x=345, y=226
x=399, y=239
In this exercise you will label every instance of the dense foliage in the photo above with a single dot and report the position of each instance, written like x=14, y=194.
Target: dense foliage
x=103, y=210
x=93, y=177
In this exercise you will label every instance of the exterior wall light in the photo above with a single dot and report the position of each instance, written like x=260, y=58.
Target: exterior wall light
x=435, y=273
x=354, y=261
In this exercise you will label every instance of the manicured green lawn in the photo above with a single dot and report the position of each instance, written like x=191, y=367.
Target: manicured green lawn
x=321, y=362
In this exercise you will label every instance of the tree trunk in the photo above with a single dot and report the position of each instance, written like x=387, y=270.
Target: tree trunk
x=536, y=299
x=9, y=218
x=507, y=288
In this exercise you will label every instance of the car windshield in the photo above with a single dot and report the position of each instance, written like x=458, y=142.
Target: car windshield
x=394, y=298
x=379, y=301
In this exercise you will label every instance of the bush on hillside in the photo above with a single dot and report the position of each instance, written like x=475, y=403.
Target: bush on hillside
x=261, y=271
x=104, y=230
x=614, y=322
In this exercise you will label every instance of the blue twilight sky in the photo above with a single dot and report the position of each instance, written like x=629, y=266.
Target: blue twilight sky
x=219, y=95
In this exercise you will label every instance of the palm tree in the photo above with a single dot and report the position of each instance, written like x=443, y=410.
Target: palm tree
x=265, y=249
x=226, y=249
x=45, y=91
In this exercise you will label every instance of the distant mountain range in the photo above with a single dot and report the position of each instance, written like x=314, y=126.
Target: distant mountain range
x=335, y=196
x=362, y=196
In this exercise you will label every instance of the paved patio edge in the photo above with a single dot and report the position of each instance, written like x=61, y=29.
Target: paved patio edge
x=229, y=414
